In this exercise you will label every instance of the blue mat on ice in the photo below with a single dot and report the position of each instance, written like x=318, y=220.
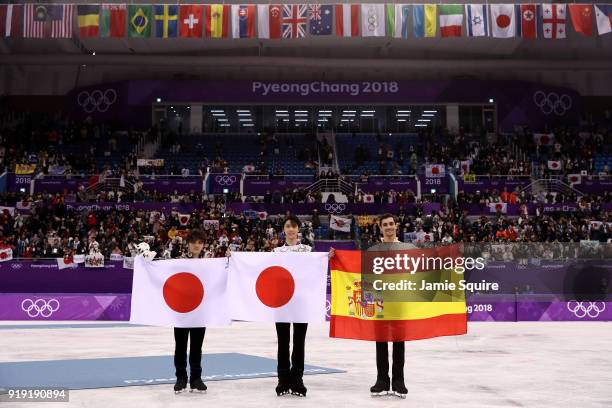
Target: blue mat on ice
x=129, y=371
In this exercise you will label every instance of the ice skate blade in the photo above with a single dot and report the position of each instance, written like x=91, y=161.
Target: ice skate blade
x=298, y=394
x=399, y=395
x=198, y=391
x=280, y=394
x=379, y=394
x=180, y=391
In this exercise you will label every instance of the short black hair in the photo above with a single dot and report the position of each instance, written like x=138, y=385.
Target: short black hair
x=385, y=216
x=293, y=220
x=196, y=235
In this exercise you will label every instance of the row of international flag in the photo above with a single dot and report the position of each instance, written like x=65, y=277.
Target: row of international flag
x=271, y=21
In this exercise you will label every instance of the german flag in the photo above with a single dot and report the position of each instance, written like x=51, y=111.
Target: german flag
x=360, y=312
x=89, y=20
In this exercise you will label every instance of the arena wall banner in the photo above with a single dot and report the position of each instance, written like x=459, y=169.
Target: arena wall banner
x=16, y=182
x=380, y=184
x=518, y=102
x=116, y=307
x=487, y=184
x=594, y=186
x=330, y=208
x=182, y=185
x=440, y=184
x=218, y=182
x=166, y=208
x=254, y=187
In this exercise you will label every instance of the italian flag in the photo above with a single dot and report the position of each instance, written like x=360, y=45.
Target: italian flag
x=360, y=312
x=451, y=19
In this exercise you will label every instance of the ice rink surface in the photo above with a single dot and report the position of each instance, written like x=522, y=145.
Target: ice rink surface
x=539, y=364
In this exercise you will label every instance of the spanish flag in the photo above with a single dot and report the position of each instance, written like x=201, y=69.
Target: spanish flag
x=361, y=311
x=89, y=20
x=217, y=20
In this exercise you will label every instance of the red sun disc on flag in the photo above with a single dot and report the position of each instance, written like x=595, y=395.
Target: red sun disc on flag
x=544, y=139
x=503, y=20
x=498, y=207
x=275, y=286
x=435, y=170
x=183, y=292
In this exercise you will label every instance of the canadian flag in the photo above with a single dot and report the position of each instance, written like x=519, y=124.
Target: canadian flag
x=180, y=293
x=574, y=178
x=498, y=207
x=347, y=20
x=544, y=139
x=554, y=165
x=435, y=170
x=184, y=219
x=278, y=286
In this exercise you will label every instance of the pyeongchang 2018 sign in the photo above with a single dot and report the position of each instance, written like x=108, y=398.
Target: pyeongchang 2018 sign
x=324, y=88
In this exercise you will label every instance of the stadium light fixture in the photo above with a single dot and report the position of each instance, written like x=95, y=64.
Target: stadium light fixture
x=423, y=120
x=401, y=120
x=158, y=100
x=491, y=100
x=403, y=111
x=428, y=114
x=217, y=111
x=430, y=111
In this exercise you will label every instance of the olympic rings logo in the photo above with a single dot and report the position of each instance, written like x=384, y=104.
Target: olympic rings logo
x=552, y=102
x=40, y=307
x=97, y=100
x=580, y=310
x=225, y=180
x=335, y=208
x=16, y=266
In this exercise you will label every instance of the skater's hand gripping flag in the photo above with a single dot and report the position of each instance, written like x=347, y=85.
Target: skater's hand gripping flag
x=361, y=310
x=180, y=293
x=278, y=286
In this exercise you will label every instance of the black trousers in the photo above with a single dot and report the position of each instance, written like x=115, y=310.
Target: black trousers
x=296, y=365
x=196, y=336
x=382, y=360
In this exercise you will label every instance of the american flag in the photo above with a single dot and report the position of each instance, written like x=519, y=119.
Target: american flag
x=294, y=20
x=48, y=20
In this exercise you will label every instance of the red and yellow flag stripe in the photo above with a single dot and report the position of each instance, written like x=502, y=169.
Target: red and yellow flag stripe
x=357, y=314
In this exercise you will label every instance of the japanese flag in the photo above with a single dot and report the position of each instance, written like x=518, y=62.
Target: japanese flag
x=278, y=286
x=184, y=218
x=368, y=198
x=554, y=165
x=498, y=207
x=435, y=170
x=574, y=178
x=180, y=293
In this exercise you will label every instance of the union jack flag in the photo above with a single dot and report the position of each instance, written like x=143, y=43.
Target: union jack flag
x=294, y=20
